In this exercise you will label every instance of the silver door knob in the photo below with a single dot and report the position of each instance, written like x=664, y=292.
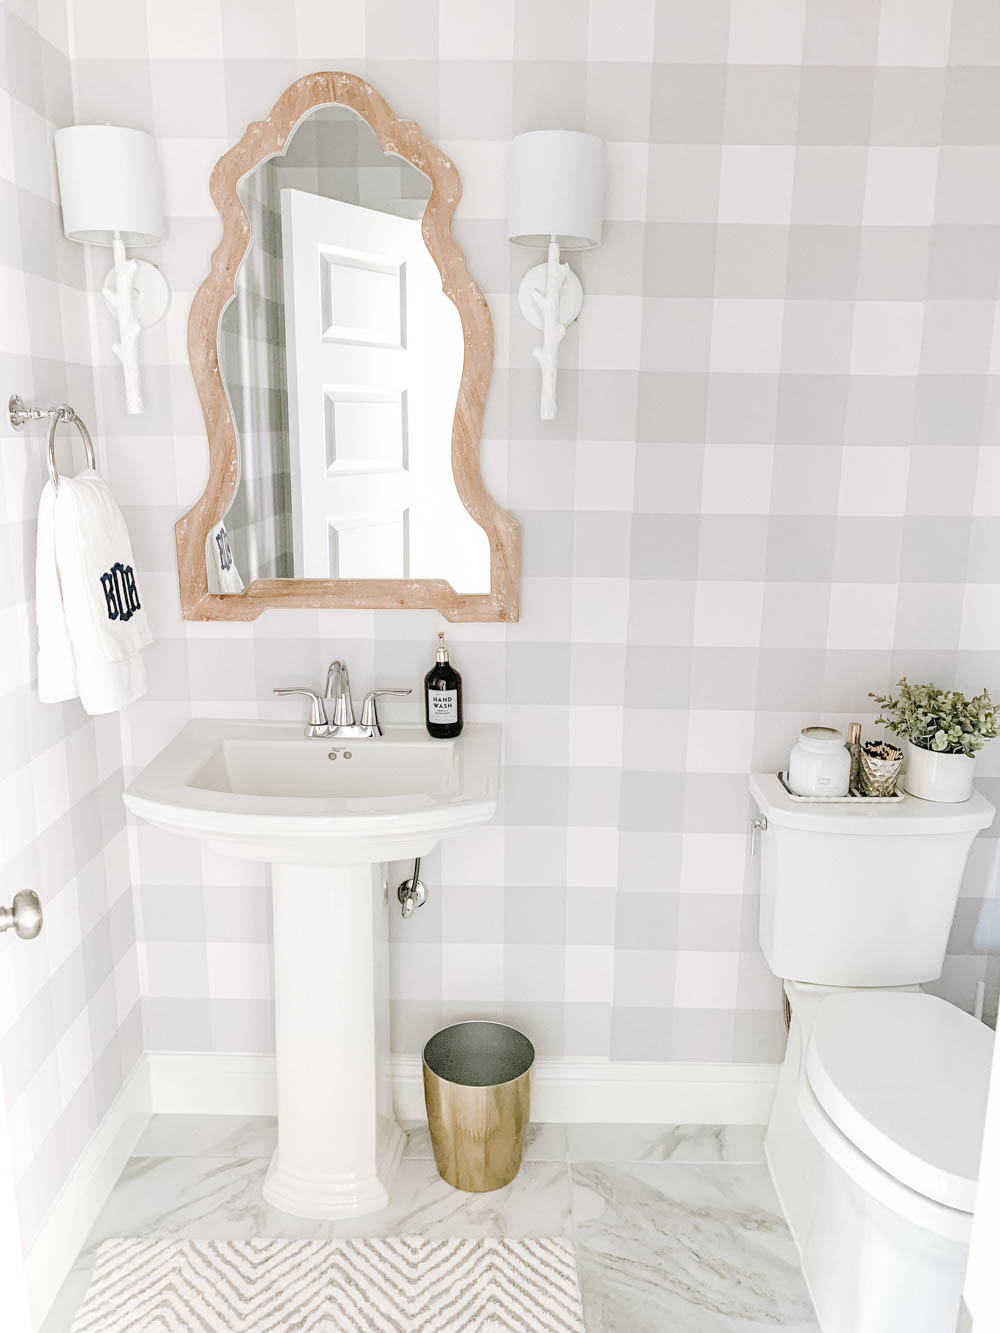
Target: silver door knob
x=24, y=915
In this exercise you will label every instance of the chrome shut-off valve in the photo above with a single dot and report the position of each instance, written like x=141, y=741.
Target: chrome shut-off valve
x=412, y=893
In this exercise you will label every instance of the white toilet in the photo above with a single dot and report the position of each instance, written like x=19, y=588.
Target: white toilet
x=875, y=1133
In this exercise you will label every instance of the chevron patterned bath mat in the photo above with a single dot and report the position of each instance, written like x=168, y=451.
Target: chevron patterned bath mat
x=399, y=1284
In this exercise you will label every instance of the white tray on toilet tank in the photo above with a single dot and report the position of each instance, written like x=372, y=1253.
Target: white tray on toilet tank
x=854, y=797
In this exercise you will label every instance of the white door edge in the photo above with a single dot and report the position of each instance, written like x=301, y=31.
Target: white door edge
x=14, y=1296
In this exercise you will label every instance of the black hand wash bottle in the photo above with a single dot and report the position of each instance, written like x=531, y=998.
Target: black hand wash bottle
x=443, y=697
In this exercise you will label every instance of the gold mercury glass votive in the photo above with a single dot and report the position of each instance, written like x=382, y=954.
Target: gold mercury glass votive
x=878, y=771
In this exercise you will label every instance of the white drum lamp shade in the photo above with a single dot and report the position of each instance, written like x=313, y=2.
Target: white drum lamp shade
x=556, y=189
x=109, y=181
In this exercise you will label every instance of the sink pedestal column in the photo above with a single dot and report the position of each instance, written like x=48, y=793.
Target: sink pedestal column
x=338, y=1143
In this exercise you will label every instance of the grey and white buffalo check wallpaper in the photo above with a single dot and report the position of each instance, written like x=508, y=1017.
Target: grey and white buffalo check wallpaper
x=70, y=1011
x=773, y=485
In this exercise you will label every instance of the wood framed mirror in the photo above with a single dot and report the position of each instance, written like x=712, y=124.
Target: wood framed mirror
x=342, y=354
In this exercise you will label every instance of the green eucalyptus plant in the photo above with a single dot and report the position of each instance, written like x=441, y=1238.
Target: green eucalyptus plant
x=941, y=720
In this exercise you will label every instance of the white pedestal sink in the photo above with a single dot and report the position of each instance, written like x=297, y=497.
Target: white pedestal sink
x=327, y=815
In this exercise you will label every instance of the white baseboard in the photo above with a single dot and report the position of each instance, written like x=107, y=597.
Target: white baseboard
x=55, y=1249
x=627, y=1092
x=566, y=1091
x=199, y=1083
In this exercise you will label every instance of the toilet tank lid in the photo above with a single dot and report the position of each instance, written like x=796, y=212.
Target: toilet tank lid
x=910, y=815
x=905, y=1078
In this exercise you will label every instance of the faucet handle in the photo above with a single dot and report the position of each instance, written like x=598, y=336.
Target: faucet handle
x=317, y=711
x=369, y=709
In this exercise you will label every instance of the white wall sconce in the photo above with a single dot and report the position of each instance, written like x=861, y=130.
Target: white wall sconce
x=556, y=202
x=109, y=182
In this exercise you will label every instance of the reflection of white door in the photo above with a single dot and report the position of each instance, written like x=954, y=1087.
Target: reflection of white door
x=13, y=1288
x=374, y=361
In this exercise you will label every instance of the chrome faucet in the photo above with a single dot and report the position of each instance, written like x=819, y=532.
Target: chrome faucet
x=343, y=726
x=338, y=688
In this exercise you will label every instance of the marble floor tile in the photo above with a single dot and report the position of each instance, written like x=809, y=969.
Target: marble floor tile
x=202, y=1197
x=687, y=1237
x=542, y=1143
x=694, y=1247
x=535, y=1203
x=666, y=1143
x=209, y=1136
x=197, y=1197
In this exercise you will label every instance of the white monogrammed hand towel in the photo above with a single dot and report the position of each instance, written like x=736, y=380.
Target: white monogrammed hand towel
x=91, y=623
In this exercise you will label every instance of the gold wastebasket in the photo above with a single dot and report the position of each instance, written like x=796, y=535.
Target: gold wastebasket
x=477, y=1085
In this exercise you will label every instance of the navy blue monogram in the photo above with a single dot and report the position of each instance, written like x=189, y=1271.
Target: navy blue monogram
x=120, y=592
x=225, y=550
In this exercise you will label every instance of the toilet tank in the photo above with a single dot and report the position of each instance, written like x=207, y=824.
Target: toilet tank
x=860, y=895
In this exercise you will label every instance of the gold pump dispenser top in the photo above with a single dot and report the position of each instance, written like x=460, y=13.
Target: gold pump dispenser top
x=442, y=651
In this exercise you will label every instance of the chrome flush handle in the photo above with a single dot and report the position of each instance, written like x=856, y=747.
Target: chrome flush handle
x=757, y=827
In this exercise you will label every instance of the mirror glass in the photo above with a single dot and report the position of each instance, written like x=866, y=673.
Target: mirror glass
x=342, y=359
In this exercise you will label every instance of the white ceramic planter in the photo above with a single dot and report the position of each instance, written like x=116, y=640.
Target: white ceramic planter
x=938, y=777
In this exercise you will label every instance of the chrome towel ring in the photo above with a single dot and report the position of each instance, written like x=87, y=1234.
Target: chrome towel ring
x=66, y=413
x=19, y=415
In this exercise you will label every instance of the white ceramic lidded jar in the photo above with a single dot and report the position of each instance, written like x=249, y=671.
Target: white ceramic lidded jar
x=820, y=764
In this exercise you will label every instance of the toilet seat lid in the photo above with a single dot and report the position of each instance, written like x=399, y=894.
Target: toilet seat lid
x=905, y=1078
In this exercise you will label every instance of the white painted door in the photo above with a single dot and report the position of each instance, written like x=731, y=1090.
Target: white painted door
x=14, y=1316
x=374, y=360
x=980, y=1312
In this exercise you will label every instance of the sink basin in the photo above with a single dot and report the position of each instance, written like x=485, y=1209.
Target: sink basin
x=369, y=779
x=327, y=815
x=264, y=791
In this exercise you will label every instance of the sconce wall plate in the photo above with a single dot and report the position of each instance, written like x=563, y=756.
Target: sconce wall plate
x=150, y=292
x=570, y=298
